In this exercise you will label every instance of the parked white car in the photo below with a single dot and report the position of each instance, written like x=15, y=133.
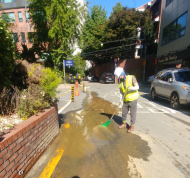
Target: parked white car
x=90, y=77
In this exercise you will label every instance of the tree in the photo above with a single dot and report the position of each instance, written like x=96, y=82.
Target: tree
x=94, y=28
x=116, y=8
x=57, y=24
x=120, y=35
x=79, y=65
x=6, y=54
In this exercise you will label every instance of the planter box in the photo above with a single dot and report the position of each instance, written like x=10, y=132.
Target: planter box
x=21, y=148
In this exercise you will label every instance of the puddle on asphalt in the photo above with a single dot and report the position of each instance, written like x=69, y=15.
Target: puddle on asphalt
x=85, y=134
x=92, y=150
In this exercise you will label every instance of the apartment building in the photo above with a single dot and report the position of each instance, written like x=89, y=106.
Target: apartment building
x=154, y=7
x=174, y=40
x=17, y=11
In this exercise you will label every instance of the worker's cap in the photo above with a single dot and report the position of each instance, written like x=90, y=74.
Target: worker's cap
x=119, y=72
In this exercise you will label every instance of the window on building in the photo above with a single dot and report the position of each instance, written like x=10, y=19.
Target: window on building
x=174, y=30
x=15, y=37
x=27, y=16
x=20, y=16
x=10, y=17
x=6, y=1
x=23, y=36
x=168, y=2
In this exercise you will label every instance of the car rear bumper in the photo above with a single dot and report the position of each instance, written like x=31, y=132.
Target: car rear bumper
x=109, y=81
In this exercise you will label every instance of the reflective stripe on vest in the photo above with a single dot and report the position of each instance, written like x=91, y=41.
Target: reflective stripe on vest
x=131, y=95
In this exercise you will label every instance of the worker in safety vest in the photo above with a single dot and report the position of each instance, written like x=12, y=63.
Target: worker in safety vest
x=129, y=92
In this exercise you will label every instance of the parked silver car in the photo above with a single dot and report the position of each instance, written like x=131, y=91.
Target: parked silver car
x=172, y=84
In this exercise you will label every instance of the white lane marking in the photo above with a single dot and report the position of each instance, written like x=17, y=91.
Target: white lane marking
x=143, y=112
x=139, y=106
x=171, y=110
x=152, y=104
x=158, y=111
x=61, y=109
x=137, y=112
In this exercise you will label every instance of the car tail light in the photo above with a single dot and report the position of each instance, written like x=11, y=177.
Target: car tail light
x=106, y=77
x=112, y=77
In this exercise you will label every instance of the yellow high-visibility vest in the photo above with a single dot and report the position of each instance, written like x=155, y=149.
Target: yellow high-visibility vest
x=131, y=95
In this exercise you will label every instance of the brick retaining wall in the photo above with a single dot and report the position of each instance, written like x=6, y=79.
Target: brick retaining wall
x=21, y=148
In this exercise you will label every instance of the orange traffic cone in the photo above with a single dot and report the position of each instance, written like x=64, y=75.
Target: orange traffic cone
x=77, y=91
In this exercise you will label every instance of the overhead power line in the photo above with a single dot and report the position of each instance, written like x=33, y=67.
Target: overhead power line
x=111, y=41
x=112, y=52
x=109, y=49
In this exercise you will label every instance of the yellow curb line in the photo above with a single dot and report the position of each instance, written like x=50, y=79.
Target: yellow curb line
x=47, y=172
x=63, y=94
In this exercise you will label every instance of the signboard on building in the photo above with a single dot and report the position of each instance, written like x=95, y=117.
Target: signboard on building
x=167, y=59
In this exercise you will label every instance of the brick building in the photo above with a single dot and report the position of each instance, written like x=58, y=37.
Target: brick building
x=17, y=11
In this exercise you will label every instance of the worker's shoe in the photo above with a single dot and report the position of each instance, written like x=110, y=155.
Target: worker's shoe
x=123, y=125
x=131, y=128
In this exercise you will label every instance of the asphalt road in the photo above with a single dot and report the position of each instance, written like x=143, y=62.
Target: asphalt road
x=158, y=147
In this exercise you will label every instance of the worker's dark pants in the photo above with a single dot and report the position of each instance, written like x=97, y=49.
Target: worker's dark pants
x=133, y=111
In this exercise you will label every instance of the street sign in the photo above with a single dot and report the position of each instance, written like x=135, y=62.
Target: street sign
x=69, y=63
x=115, y=60
x=144, y=62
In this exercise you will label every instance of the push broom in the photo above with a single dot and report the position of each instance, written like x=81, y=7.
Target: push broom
x=108, y=122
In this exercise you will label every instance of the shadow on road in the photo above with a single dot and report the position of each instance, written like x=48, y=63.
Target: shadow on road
x=61, y=118
x=162, y=102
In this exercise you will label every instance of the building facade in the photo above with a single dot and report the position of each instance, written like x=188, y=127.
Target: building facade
x=17, y=12
x=174, y=40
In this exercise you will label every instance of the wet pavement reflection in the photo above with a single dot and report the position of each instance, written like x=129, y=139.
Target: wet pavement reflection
x=94, y=151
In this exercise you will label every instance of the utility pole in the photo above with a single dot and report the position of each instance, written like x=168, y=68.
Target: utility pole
x=144, y=63
x=64, y=69
x=115, y=60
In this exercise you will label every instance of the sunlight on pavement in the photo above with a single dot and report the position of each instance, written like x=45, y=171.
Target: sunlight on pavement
x=47, y=172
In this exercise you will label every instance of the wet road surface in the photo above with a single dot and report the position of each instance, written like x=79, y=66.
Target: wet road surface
x=94, y=151
x=158, y=147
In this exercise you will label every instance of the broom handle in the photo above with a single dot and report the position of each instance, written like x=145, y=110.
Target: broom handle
x=118, y=105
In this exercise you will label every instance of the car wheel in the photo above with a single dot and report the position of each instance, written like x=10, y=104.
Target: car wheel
x=174, y=101
x=153, y=94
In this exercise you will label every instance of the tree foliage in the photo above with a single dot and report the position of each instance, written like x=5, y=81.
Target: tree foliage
x=120, y=28
x=94, y=28
x=79, y=66
x=57, y=24
x=6, y=54
x=118, y=7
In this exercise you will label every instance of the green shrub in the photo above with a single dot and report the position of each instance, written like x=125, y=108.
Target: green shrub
x=49, y=81
x=32, y=101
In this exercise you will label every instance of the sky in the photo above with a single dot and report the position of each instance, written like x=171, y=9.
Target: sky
x=108, y=4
